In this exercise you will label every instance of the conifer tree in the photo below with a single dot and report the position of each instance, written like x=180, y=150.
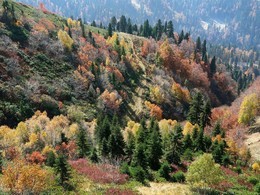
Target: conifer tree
x=204, y=51
x=93, y=155
x=199, y=142
x=50, y=160
x=129, y=26
x=62, y=170
x=122, y=24
x=195, y=109
x=110, y=32
x=216, y=130
x=159, y=30
x=213, y=66
x=205, y=114
x=113, y=23
x=181, y=37
x=187, y=142
x=198, y=45
x=194, y=134
x=154, y=146
x=116, y=142
x=170, y=29
x=140, y=156
x=83, y=147
x=130, y=146
x=173, y=145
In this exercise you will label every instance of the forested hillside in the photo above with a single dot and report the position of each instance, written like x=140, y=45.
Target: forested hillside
x=234, y=22
x=88, y=110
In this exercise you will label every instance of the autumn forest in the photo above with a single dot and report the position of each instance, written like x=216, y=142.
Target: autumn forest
x=123, y=108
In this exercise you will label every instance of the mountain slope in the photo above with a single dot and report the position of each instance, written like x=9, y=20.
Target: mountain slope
x=234, y=22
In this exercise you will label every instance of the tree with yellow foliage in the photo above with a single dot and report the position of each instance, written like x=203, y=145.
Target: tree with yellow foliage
x=256, y=167
x=65, y=39
x=248, y=109
x=188, y=128
x=20, y=177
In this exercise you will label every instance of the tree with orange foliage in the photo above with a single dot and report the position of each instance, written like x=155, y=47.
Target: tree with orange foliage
x=155, y=111
x=36, y=158
x=110, y=101
x=22, y=178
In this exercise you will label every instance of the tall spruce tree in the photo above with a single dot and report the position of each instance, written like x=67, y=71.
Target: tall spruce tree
x=213, y=66
x=198, y=45
x=173, y=145
x=195, y=109
x=154, y=150
x=83, y=147
x=110, y=30
x=116, y=142
x=130, y=146
x=204, y=51
x=62, y=170
x=113, y=23
x=205, y=114
x=170, y=29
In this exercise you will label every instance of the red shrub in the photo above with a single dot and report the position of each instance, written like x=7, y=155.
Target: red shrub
x=103, y=173
x=223, y=186
x=245, y=183
x=228, y=171
x=116, y=191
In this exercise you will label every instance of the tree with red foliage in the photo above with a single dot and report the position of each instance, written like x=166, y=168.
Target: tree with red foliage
x=36, y=158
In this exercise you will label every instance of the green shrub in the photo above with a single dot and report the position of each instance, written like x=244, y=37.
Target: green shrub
x=178, y=177
x=187, y=155
x=165, y=170
x=138, y=174
x=237, y=170
x=257, y=188
x=253, y=180
x=124, y=168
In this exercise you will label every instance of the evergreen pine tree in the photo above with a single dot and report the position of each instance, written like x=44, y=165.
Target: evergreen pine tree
x=146, y=30
x=213, y=66
x=122, y=24
x=194, y=134
x=195, y=109
x=173, y=145
x=83, y=147
x=165, y=27
x=181, y=37
x=50, y=160
x=70, y=33
x=159, y=30
x=198, y=45
x=216, y=130
x=129, y=26
x=199, y=142
x=187, y=142
x=110, y=32
x=140, y=156
x=205, y=114
x=93, y=155
x=170, y=29
x=130, y=146
x=62, y=170
x=204, y=51
x=116, y=142
x=154, y=146
x=113, y=23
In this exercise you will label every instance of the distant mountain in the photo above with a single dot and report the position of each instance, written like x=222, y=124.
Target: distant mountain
x=235, y=21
